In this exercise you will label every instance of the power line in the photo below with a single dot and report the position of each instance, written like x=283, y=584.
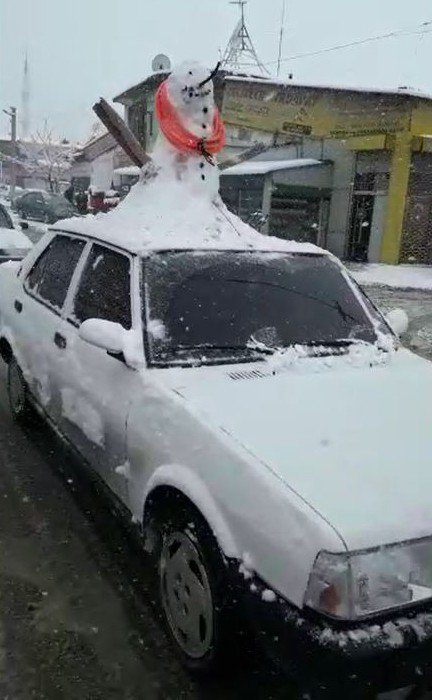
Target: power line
x=359, y=42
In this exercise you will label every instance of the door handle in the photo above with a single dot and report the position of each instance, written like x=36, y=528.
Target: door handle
x=60, y=341
x=18, y=306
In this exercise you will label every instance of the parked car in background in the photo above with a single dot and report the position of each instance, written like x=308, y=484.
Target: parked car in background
x=14, y=244
x=43, y=206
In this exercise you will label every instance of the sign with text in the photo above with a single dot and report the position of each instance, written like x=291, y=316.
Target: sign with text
x=320, y=112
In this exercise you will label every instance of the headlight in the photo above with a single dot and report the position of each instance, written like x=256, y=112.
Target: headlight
x=357, y=584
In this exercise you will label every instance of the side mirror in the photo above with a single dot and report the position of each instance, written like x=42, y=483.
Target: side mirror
x=103, y=334
x=398, y=321
x=24, y=225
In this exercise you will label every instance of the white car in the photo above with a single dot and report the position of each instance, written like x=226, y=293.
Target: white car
x=14, y=244
x=254, y=413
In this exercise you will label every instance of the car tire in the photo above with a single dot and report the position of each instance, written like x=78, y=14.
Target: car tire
x=196, y=600
x=18, y=394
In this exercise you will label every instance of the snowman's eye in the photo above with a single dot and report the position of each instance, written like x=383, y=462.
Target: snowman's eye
x=190, y=72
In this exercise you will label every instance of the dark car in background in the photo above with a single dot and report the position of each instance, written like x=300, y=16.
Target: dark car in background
x=43, y=206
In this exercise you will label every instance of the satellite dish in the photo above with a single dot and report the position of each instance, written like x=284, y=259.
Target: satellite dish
x=161, y=63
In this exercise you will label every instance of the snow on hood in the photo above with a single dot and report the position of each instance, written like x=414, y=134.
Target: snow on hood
x=353, y=440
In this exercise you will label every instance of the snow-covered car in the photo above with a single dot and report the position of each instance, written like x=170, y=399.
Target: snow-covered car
x=14, y=244
x=253, y=412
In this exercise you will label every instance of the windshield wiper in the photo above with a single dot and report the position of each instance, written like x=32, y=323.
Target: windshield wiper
x=211, y=346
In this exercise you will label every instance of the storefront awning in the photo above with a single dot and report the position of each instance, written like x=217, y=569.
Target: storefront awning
x=262, y=167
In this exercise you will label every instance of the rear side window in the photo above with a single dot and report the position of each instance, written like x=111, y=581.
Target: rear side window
x=50, y=276
x=104, y=288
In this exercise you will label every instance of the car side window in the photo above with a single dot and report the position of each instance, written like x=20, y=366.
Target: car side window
x=5, y=220
x=50, y=276
x=104, y=288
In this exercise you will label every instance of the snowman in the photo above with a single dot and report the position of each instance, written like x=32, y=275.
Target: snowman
x=177, y=197
x=190, y=127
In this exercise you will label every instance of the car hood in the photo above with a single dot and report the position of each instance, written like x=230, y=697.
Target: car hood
x=354, y=442
x=11, y=239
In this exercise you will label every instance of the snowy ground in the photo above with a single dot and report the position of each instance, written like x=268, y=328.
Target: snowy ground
x=397, y=276
x=418, y=305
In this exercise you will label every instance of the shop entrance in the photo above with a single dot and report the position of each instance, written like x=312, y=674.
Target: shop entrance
x=360, y=227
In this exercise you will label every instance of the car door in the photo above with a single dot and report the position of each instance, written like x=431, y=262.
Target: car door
x=37, y=315
x=98, y=388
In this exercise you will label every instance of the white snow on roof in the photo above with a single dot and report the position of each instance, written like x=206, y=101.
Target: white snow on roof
x=177, y=207
x=401, y=276
x=128, y=170
x=334, y=86
x=262, y=167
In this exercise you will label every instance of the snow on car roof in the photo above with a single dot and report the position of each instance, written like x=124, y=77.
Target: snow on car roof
x=177, y=207
x=137, y=238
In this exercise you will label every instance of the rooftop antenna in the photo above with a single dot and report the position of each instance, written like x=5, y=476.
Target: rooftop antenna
x=240, y=54
x=282, y=29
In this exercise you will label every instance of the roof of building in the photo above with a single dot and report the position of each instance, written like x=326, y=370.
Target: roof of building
x=401, y=91
x=155, y=78
x=128, y=170
x=262, y=167
x=96, y=147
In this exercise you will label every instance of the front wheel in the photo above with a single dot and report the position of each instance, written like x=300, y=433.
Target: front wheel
x=194, y=595
x=19, y=403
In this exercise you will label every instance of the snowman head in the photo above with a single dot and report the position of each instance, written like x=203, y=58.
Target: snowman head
x=190, y=91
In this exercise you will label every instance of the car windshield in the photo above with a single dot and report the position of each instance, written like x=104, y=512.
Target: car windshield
x=224, y=306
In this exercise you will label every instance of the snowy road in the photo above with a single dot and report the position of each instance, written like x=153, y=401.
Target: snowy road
x=418, y=305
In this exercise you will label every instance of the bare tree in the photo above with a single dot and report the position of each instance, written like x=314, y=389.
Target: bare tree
x=47, y=157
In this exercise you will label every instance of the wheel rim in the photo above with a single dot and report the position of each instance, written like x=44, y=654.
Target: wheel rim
x=186, y=595
x=17, y=392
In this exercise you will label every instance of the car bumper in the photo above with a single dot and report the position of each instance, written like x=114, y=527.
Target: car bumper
x=328, y=656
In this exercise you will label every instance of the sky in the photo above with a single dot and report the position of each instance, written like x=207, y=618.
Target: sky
x=80, y=50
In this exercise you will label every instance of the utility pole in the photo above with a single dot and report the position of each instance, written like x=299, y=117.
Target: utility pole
x=13, y=117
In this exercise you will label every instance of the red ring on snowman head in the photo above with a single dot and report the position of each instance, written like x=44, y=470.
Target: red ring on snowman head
x=178, y=136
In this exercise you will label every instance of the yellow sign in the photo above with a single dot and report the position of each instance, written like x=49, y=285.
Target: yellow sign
x=319, y=112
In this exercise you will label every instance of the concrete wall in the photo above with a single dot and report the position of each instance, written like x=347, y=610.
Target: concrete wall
x=340, y=203
x=377, y=227
x=102, y=171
